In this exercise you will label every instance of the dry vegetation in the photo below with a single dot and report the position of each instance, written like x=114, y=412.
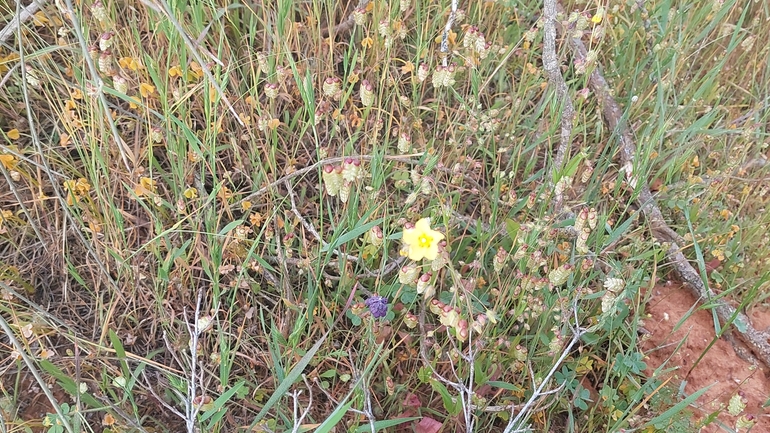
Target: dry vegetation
x=285, y=216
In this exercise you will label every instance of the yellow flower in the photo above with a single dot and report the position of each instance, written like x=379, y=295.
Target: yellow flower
x=422, y=241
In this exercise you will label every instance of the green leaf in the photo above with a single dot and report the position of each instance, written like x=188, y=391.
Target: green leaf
x=217, y=412
x=351, y=235
x=661, y=420
x=228, y=228
x=334, y=418
x=512, y=227
x=379, y=425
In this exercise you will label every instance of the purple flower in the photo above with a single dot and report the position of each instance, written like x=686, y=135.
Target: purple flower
x=378, y=305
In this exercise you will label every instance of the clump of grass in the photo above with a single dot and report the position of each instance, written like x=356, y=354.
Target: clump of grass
x=212, y=209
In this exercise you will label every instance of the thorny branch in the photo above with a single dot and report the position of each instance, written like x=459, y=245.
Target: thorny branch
x=613, y=114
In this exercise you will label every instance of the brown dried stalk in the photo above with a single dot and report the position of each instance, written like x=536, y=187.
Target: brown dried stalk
x=756, y=341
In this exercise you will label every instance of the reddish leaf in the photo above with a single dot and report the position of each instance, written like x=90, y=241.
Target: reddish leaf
x=412, y=400
x=427, y=425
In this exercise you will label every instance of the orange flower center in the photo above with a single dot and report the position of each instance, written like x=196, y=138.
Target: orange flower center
x=424, y=241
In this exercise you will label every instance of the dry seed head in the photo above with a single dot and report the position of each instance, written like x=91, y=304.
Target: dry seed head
x=332, y=87
x=593, y=217
x=375, y=236
x=93, y=52
x=351, y=170
x=559, y=276
x=345, y=192
x=408, y=274
x=436, y=306
x=608, y=302
x=271, y=90
x=106, y=40
x=106, y=63
x=531, y=200
x=410, y=320
x=614, y=285
x=422, y=72
x=99, y=11
x=404, y=142
x=438, y=76
x=359, y=16
x=501, y=257
x=366, y=91
x=262, y=61
x=384, y=28
x=581, y=219
x=404, y=5
x=588, y=170
x=332, y=178
x=449, y=76
x=120, y=83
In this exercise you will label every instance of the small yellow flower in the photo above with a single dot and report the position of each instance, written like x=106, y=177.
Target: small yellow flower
x=367, y=42
x=422, y=241
x=129, y=63
x=146, y=90
x=175, y=71
x=190, y=193
x=13, y=134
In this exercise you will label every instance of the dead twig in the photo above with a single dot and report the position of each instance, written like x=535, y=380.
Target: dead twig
x=552, y=67
x=613, y=115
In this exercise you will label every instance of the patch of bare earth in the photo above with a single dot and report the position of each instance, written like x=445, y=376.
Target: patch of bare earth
x=721, y=367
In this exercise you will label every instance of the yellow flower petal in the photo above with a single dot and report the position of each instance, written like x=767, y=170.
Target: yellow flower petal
x=422, y=241
x=146, y=90
x=13, y=134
